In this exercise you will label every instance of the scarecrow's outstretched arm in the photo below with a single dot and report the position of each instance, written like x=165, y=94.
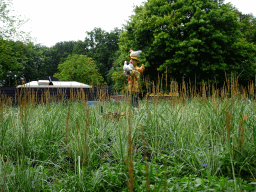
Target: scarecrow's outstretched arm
x=141, y=69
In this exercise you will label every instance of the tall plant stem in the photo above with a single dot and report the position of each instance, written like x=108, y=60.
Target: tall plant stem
x=87, y=112
x=129, y=160
x=5, y=171
x=67, y=129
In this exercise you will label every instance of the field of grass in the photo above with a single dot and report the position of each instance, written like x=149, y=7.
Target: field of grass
x=197, y=144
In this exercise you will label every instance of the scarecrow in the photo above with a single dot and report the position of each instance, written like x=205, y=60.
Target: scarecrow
x=133, y=72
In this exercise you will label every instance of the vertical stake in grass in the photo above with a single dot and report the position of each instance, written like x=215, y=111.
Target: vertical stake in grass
x=79, y=169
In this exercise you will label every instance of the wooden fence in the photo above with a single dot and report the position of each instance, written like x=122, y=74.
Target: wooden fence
x=54, y=94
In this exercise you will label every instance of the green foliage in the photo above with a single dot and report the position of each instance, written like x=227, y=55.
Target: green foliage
x=183, y=141
x=248, y=26
x=34, y=62
x=15, y=46
x=27, y=61
x=120, y=81
x=101, y=46
x=59, y=53
x=79, y=68
x=116, y=77
x=10, y=24
x=12, y=54
x=193, y=39
x=44, y=61
x=79, y=48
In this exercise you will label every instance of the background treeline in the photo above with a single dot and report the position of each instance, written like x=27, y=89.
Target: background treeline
x=193, y=40
x=31, y=62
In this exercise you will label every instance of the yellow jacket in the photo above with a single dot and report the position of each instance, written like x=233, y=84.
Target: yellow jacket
x=134, y=77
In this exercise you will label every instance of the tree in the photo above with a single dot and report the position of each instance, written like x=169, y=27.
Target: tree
x=248, y=26
x=13, y=44
x=10, y=25
x=35, y=64
x=101, y=46
x=79, y=68
x=190, y=39
x=11, y=57
x=59, y=53
x=79, y=48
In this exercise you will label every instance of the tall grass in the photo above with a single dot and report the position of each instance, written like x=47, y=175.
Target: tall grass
x=204, y=139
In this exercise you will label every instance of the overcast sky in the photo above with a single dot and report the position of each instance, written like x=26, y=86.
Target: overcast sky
x=52, y=21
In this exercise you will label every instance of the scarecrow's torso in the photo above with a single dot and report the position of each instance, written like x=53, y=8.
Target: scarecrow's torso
x=134, y=77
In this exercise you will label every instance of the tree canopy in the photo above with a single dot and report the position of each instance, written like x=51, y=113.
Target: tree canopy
x=10, y=57
x=10, y=24
x=190, y=39
x=248, y=26
x=79, y=68
x=98, y=44
x=13, y=43
x=101, y=46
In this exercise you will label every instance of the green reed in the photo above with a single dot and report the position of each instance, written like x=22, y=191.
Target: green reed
x=203, y=134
